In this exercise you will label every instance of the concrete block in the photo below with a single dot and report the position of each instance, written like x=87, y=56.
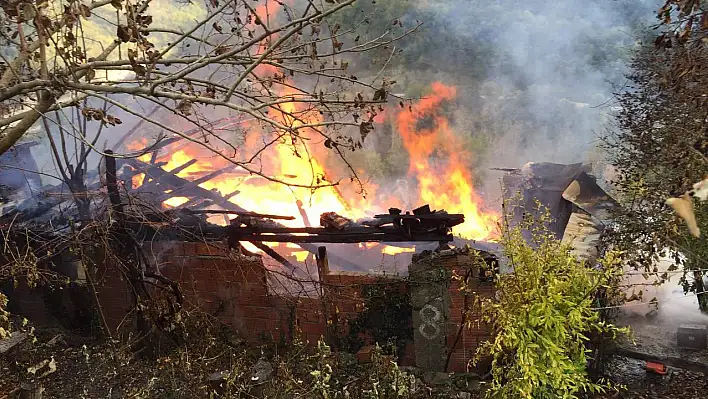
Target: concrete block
x=691, y=336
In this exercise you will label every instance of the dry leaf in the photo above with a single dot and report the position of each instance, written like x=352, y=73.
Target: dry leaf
x=683, y=206
x=365, y=128
x=123, y=33
x=380, y=94
x=700, y=189
x=185, y=107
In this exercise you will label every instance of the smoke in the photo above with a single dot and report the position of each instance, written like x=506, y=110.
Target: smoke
x=663, y=304
x=535, y=79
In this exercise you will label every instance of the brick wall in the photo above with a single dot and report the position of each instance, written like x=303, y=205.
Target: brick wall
x=470, y=338
x=244, y=295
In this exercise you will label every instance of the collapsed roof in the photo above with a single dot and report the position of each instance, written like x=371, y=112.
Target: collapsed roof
x=579, y=208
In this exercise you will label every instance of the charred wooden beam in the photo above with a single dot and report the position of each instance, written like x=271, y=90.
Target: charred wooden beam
x=303, y=214
x=273, y=254
x=230, y=195
x=336, y=239
x=182, y=167
x=112, y=183
x=322, y=262
x=347, y=231
x=247, y=214
x=153, y=157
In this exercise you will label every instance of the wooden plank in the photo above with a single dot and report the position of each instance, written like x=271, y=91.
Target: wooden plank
x=112, y=183
x=248, y=214
x=690, y=365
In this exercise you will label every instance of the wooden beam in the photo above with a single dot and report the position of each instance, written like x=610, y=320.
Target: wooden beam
x=678, y=362
x=248, y=214
x=112, y=183
x=273, y=254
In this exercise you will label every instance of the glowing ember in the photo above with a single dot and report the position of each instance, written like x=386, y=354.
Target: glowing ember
x=389, y=250
x=176, y=201
x=138, y=180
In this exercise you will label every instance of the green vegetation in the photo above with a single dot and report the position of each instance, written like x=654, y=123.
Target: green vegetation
x=659, y=149
x=543, y=317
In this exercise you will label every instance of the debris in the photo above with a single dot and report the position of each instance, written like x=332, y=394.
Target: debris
x=700, y=189
x=364, y=354
x=330, y=220
x=31, y=390
x=8, y=343
x=371, y=222
x=656, y=368
x=43, y=368
x=261, y=372
x=217, y=379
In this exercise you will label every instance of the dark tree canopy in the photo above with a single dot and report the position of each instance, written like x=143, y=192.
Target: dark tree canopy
x=661, y=145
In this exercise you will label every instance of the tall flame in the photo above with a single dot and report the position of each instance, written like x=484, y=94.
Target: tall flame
x=437, y=164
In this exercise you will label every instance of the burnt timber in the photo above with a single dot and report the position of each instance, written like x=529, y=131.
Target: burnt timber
x=183, y=224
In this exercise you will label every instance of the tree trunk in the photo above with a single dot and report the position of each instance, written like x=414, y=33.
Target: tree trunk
x=700, y=288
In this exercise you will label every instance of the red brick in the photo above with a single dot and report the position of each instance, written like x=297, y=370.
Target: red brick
x=313, y=329
x=364, y=354
x=260, y=312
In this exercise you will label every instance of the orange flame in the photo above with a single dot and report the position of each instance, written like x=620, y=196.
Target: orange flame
x=444, y=183
x=436, y=163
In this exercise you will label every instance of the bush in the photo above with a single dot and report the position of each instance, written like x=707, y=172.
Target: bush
x=543, y=316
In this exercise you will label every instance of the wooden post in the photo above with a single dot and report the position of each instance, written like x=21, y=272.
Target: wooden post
x=330, y=316
x=112, y=183
x=322, y=262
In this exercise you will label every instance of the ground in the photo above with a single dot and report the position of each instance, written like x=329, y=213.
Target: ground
x=87, y=368
x=679, y=384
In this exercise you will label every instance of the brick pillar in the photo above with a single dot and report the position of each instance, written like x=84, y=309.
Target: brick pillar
x=430, y=300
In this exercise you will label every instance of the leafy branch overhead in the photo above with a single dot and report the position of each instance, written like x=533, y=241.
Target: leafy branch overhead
x=659, y=150
x=283, y=67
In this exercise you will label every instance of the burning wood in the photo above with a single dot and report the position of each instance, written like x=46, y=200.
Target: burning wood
x=330, y=220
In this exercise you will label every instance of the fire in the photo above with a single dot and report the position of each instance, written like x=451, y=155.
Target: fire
x=389, y=250
x=176, y=201
x=437, y=166
x=437, y=163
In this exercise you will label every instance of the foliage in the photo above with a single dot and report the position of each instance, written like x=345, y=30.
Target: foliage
x=659, y=149
x=542, y=317
x=81, y=69
x=383, y=379
x=386, y=318
x=4, y=317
